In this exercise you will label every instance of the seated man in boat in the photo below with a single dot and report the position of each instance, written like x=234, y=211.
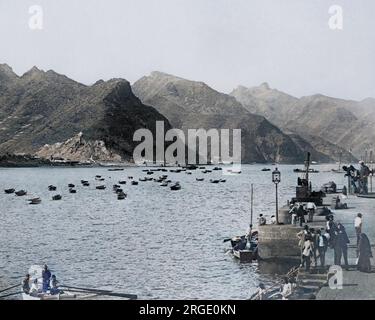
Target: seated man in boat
x=46, y=275
x=26, y=284
x=34, y=291
x=241, y=244
x=54, y=285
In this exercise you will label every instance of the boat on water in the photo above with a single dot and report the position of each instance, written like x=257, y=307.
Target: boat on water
x=176, y=186
x=52, y=188
x=199, y=179
x=121, y=196
x=66, y=292
x=35, y=201
x=101, y=187
x=243, y=249
x=214, y=181
x=9, y=191
x=134, y=183
x=21, y=193
x=57, y=197
x=266, y=169
x=116, y=169
x=304, y=171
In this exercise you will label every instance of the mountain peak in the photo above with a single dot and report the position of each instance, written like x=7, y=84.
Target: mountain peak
x=264, y=86
x=7, y=71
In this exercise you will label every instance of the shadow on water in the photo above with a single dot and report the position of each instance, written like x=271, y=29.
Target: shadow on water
x=277, y=266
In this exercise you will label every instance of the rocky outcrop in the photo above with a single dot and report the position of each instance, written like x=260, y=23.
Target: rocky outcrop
x=79, y=149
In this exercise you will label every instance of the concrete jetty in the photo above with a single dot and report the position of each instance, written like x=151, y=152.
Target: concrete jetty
x=278, y=240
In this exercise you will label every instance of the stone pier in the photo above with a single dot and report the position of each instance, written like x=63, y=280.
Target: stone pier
x=279, y=241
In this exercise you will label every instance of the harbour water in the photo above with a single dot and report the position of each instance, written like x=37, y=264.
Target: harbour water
x=158, y=243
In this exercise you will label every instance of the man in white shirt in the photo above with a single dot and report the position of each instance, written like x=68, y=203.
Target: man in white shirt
x=358, y=227
x=311, y=207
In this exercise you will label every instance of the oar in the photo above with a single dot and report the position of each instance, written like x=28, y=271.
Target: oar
x=108, y=293
x=10, y=294
x=85, y=289
x=17, y=285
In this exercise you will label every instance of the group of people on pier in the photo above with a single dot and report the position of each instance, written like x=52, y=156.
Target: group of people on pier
x=315, y=243
x=358, y=178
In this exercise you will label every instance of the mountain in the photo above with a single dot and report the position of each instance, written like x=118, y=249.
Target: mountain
x=41, y=108
x=193, y=105
x=342, y=126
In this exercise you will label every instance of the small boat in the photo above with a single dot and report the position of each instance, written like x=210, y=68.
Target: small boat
x=150, y=172
x=164, y=170
x=130, y=178
x=57, y=197
x=134, y=183
x=176, y=186
x=122, y=182
x=304, y=171
x=86, y=184
x=223, y=180
x=21, y=193
x=243, y=249
x=234, y=171
x=214, y=181
x=266, y=169
x=97, y=177
x=119, y=191
x=84, y=181
x=100, y=187
x=121, y=196
x=116, y=169
x=142, y=179
x=199, y=179
x=188, y=172
x=52, y=188
x=145, y=170
x=116, y=186
x=71, y=190
x=164, y=184
x=67, y=292
x=71, y=185
x=217, y=168
x=9, y=191
x=202, y=168
x=35, y=201
x=206, y=171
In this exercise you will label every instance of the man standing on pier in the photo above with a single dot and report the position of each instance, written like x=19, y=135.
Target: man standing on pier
x=358, y=228
x=364, y=173
x=341, y=245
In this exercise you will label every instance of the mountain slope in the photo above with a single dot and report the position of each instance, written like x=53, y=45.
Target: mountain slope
x=344, y=124
x=41, y=108
x=193, y=105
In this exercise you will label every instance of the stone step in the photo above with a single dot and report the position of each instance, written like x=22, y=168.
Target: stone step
x=312, y=282
x=312, y=276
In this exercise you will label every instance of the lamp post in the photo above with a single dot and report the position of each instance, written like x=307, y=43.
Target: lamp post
x=276, y=179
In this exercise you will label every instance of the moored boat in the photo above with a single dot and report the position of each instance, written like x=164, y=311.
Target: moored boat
x=21, y=193
x=9, y=191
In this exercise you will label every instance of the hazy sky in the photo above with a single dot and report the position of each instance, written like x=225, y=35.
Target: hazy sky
x=224, y=43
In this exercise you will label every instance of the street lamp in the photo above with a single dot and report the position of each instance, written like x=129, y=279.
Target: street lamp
x=276, y=179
